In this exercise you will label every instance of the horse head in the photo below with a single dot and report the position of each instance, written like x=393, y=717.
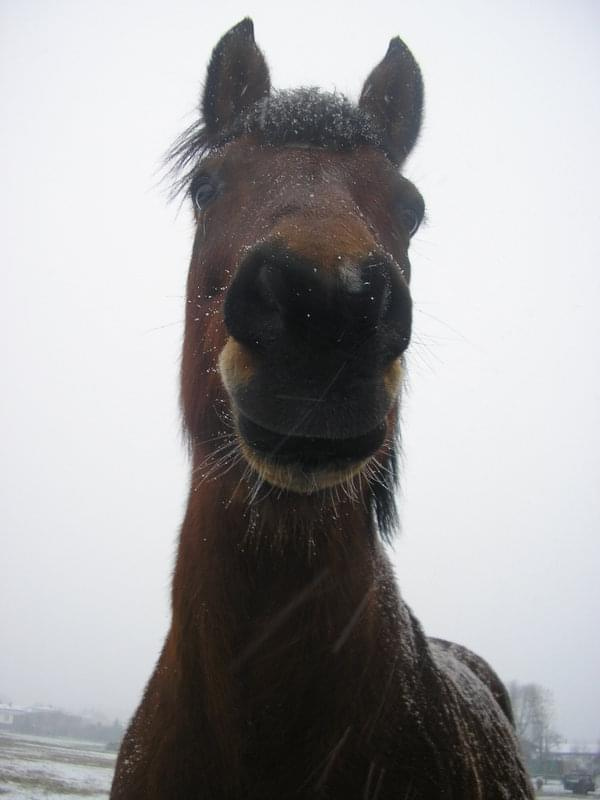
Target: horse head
x=299, y=309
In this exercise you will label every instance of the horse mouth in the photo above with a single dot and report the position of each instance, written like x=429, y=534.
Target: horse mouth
x=306, y=464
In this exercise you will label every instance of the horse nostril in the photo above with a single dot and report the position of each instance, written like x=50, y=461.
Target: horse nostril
x=274, y=291
x=251, y=310
x=264, y=287
x=374, y=296
x=379, y=305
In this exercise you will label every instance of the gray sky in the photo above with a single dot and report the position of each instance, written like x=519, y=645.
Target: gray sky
x=500, y=545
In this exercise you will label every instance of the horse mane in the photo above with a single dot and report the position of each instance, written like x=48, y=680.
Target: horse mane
x=304, y=116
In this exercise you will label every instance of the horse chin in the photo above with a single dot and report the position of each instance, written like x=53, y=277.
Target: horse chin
x=306, y=464
x=296, y=478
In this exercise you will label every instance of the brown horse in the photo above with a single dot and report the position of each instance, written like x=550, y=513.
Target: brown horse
x=292, y=668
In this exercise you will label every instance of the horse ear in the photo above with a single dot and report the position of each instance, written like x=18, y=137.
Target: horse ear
x=237, y=77
x=393, y=95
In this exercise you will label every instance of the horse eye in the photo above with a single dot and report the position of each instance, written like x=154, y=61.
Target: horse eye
x=203, y=193
x=410, y=220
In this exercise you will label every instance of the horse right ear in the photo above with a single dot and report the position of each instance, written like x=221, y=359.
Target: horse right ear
x=393, y=96
x=237, y=77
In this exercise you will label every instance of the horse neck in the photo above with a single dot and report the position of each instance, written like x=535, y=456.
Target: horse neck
x=245, y=570
x=290, y=597
x=236, y=553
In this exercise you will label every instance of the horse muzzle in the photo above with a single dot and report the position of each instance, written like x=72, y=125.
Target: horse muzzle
x=313, y=363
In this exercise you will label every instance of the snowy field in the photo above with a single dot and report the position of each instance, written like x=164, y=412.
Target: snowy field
x=39, y=768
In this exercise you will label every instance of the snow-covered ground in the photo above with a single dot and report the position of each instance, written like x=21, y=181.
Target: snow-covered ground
x=36, y=768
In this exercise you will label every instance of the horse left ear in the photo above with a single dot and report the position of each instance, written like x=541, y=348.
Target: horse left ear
x=237, y=77
x=393, y=96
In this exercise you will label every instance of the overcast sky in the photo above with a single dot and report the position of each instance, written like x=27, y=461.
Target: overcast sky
x=500, y=540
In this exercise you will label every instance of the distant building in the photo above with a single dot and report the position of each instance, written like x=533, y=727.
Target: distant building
x=575, y=756
x=563, y=758
x=10, y=713
x=49, y=721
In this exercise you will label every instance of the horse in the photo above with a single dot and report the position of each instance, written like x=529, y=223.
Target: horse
x=292, y=667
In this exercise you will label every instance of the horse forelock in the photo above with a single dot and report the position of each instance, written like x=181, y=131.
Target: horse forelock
x=305, y=116
x=313, y=117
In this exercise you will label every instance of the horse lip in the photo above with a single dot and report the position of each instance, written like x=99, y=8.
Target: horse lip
x=310, y=453
x=349, y=411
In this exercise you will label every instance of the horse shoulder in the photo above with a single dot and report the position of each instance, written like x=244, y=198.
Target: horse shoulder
x=479, y=667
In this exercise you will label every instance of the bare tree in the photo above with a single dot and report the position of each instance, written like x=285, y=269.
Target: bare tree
x=533, y=709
